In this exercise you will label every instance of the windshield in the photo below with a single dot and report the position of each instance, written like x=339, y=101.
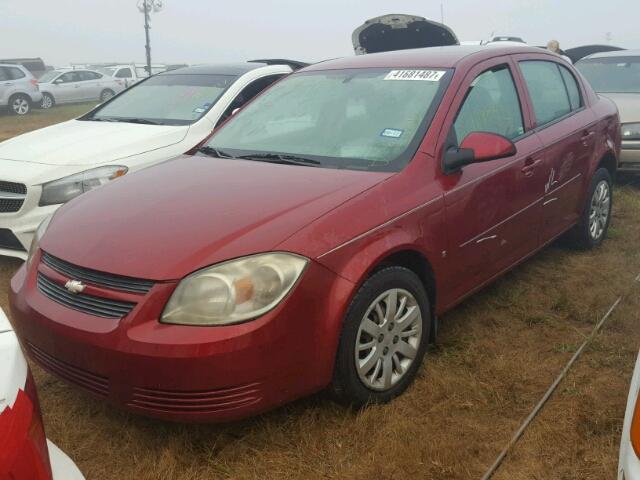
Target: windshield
x=174, y=99
x=612, y=74
x=49, y=76
x=371, y=119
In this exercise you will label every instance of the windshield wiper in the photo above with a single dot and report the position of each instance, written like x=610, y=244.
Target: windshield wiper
x=282, y=158
x=142, y=121
x=214, y=152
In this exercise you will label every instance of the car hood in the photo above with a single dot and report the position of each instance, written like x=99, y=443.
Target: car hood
x=164, y=222
x=400, y=32
x=82, y=143
x=628, y=105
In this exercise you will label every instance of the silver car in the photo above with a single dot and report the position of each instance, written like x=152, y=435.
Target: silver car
x=18, y=89
x=70, y=86
x=617, y=75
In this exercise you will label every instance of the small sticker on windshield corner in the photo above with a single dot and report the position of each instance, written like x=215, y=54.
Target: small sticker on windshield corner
x=423, y=75
x=391, y=133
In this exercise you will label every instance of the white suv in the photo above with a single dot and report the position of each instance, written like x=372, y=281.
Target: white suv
x=18, y=89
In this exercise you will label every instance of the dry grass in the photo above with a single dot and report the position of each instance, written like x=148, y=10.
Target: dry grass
x=10, y=125
x=497, y=354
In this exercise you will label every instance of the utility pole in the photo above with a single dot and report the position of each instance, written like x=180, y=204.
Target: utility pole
x=146, y=7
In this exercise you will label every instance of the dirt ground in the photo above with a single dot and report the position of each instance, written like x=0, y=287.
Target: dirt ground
x=497, y=354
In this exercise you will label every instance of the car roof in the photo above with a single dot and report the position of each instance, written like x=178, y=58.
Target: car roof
x=239, y=68
x=615, y=53
x=17, y=65
x=441, y=57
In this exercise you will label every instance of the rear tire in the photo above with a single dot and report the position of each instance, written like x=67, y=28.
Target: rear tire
x=106, y=95
x=592, y=228
x=47, y=101
x=19, y=104
x=384, y=338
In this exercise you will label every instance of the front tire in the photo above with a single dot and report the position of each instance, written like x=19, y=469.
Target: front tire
x=47, y=101
x=592, y=228
x=19, y=104
x=106, y=95
x=384, y=338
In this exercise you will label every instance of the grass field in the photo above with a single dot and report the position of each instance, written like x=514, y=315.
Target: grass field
x=11, y=125
x=497, y=354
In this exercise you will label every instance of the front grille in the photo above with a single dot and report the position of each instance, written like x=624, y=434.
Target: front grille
x=90, y=381
x=101, y=279
x=11, y=187
x=9, y=241
x=197, y=401
x=98, y=306
x=12, y=196
x=10, y=205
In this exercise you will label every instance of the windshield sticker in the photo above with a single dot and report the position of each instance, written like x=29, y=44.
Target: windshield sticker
x=198, y=110
x=392, y=133
x=423, y=75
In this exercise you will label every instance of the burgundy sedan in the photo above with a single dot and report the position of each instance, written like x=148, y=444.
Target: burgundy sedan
x=316, y=237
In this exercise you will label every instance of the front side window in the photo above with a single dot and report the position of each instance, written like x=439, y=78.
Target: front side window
x=171, y=99
x=491, y=105
x=617, y=74
x=369, y=119
x=546, y=89
x=70, y=77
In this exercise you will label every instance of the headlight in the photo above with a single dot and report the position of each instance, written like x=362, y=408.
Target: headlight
x=37, y=236
x=630, y=131
x=234, y=291
x=64, y=189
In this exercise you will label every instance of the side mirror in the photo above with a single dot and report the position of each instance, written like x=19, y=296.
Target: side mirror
x=478, y=147
x=57, y=81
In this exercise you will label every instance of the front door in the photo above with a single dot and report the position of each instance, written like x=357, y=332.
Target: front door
x=566, y=129
x=493, y=209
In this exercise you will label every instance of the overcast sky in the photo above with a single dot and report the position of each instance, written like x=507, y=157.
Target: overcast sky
x=199, y=31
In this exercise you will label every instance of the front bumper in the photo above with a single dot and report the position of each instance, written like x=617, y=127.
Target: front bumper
x=188, y=373
x=630, y=157
x=17, y=229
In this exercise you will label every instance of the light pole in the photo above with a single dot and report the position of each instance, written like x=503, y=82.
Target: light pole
x=146, y=7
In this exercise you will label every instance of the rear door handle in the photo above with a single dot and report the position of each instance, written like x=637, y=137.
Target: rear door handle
x=586, y=137
x=530, y=165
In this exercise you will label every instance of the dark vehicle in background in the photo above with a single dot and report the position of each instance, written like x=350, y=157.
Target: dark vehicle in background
x=616, y=75
x=578, y=53
x=400, y=32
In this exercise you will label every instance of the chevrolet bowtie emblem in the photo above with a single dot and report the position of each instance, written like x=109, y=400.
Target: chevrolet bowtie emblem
x=75, y=286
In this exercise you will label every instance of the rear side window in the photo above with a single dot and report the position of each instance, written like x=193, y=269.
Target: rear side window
x=14, y=73
x=547, y=90
x=89, y=75
x=4, y=74
x=491, y=105
x=572, y=88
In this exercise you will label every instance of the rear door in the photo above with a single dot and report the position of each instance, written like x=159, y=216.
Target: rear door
x=567, y=131
x=90, y=85
x=493, y=209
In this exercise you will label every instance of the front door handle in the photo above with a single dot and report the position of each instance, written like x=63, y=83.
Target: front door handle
x=530, y=165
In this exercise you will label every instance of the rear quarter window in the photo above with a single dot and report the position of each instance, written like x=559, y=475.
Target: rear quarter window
x=15, y=73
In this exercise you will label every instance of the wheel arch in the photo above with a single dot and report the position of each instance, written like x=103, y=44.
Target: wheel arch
x=608, y=161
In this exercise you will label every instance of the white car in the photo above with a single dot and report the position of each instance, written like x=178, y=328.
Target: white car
x=629, y=463
x=24, y=450
x=159, y=118
x=133, y=73
x=73, y=86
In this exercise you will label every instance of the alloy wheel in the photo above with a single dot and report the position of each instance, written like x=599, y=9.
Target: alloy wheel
x=106, y=96
x=600, y=210
x=388, y=339
x=47, y=102
x=20, y=106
